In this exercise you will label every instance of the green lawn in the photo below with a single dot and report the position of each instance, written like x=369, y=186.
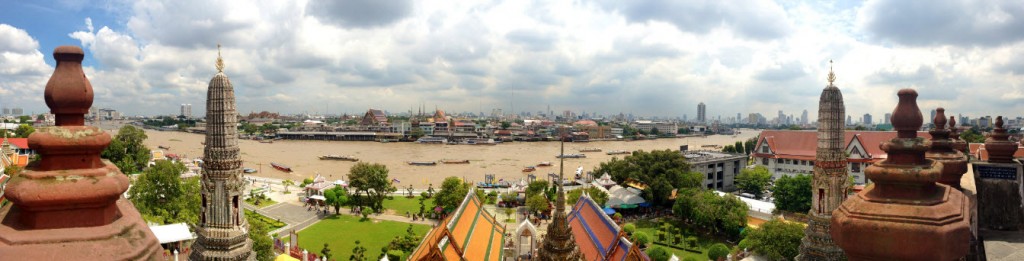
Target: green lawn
x=401, y=204
x=703, y=243
x=263, y=203
x=341, y=231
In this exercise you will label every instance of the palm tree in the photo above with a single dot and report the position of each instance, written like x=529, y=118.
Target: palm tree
x=287, y=183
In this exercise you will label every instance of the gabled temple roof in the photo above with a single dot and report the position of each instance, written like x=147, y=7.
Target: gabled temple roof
x=469, y=233
x=597, y=235
x=802, y=145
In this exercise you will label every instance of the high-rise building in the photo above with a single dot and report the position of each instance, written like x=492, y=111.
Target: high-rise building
x=849, y=119
x=186, y=110
x=223, y=231
x=828, y=188
x=932, y=117
x=867, y=119
x=888, y=118
x=6, y=111
x=803, y=118
x=17, y=112
x=701, y=113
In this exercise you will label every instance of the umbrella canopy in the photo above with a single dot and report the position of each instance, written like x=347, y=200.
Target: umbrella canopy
x=609, y=211
x=317, y=197
x=619, y=195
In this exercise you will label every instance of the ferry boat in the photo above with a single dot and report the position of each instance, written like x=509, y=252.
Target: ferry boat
x=248, y=170
x=422, y=163
x=164, y=147
x=590, y=150
x=529, y=169
x=338, y=157
x=571, y=156
x=618, y=152
x=545, y=164
x=281, y=167
x=479, y=142
x=432, y=140
x=454, y=161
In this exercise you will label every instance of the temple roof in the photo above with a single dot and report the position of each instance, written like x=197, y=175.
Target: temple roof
x=802, y=145
x=597, y=235
x=470, y=233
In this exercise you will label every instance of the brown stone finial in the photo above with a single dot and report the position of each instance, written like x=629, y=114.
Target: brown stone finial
x=68, y=206
x=68, y=93
x=904, y=204
x=1000, y=148
x=906, y=118
x=940, y=119
x=943, y=150
x=952, y=128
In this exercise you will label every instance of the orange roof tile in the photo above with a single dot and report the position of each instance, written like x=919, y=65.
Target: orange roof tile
x=470, y=233
x=597, y=236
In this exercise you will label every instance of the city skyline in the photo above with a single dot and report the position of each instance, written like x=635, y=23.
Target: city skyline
x=594, y=56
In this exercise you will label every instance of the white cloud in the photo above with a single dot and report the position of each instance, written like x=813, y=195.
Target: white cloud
x=645, y=57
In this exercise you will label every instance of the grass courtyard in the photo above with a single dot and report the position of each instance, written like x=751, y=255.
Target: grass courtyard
x=651, y=228
x=401, y=204
x=341, y=231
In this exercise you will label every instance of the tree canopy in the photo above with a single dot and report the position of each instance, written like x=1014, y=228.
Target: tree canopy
x=261, y=243
x=661, y=170
x=776, y=239
x=599, y=196
x=163, y=197
x=704, y=208
x=793, y=194
x=754, y=181
x=537, y=203
x=336, y=197
x=453, y=190
x=23, y=131
x=372, y=185
x=127, y=150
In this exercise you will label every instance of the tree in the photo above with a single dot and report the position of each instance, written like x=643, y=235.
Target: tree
x=536, y=187
x=249, y=128
x=372, y=181
x=706, y=209
x=537, y=203
x=127, y=150
x=430, y=190
x=718, y=251
x=23, y=131
x=748, y=146
x=505, y=125
x=658, y=254
x=599, y=196
x=729, y=149
x=326, y=251
x=972, y=136
x=739, y=147
x=654, y=131
x=162, y=197
x=661, y=170
x=509, y=197
x=629, y=228
x=406, y=243
x=793, y=194
x=305, y=182
x=423, y=206
x=261, y=242
x=641, y=238
x=453, y=190
x=358, y=253
x=776, y=239
x=366, y=213
x=287, y=183
x=416, y=133
x=336, y=197
x=754, y=181
x=24, y=119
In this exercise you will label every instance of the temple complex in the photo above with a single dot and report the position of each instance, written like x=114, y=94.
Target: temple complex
x=559, y=243
x=68, y=205
x=470, y=233
x=904, y=214
x=223, y=229
x=830, y=181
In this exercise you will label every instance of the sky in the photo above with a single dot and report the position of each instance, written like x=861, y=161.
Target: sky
x=648, y=58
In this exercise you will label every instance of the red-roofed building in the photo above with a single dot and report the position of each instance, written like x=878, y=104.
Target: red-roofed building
x=978, y=151
x=16, y=152
x=791, y=152
x=597, y=235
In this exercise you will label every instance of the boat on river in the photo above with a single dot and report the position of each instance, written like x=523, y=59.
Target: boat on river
x=338, y=157
x=454, y=161
x=423, y=163
x=590, y=150
x=618, y=152
x=432, y=140
x=572, y=156
x=545, y=164
x=281, y=167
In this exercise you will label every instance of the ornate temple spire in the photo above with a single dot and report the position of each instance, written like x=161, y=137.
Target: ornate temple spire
x=829, y=185
x=223, y=233
x=559, y=244
x=904, y=204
